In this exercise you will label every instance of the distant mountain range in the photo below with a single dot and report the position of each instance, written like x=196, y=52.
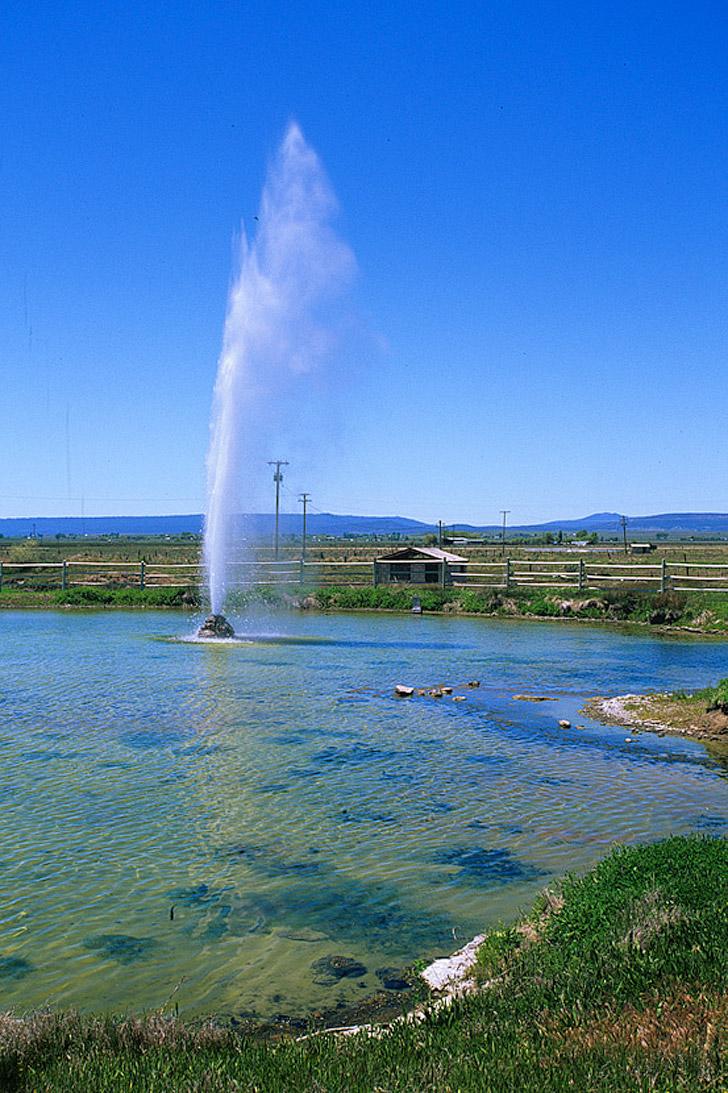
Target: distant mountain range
x=325, y=523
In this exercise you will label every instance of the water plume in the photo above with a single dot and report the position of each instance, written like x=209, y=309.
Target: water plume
x=275, y=327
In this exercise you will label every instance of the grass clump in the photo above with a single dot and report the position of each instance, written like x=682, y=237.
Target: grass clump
x=715, y=698
x=683, y=709
x=616, y=981
x=108, y=596
x=382, y=598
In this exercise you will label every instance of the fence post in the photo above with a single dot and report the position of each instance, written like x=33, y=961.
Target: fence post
x=508, y=573
x=663, y=576
x=374, y=573
x=141, y=575
x=1, y=575
x=443, y=573
x=63, y=576
x=300, y=572
x=581, y=574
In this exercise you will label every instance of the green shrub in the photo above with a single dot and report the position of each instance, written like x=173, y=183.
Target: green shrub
x=625, y=604
x=714, y=698
x=104, y=595
x=480, y=602
x=667, y=607
x=543, y=605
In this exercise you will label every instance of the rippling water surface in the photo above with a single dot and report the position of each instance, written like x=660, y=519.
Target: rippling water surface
x=223, y=818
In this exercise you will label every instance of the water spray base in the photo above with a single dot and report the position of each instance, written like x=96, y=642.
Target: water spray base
x=216, y=626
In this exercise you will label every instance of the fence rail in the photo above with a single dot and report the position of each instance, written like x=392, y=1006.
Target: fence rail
x=506, y=573
x=596, y=575
x=94, y=574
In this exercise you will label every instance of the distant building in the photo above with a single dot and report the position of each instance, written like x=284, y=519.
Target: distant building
x=642, y=548
x=460, y=540
x=420, y=565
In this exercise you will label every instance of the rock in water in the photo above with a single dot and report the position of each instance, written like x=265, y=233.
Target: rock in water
x=216, y=626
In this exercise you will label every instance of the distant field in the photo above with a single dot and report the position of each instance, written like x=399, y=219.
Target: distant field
x=188, y=549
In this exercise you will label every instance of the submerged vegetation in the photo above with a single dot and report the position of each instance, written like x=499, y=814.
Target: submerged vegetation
x=615, y=981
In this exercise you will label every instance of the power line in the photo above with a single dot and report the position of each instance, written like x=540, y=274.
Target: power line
x=277, y=478
x=504, y=513
x=304, y=498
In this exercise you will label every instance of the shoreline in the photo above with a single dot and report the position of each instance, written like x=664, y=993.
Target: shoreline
x=697, y=613
x=45, y=602
x=619, y=973
x=444, y=980
x=661, y=713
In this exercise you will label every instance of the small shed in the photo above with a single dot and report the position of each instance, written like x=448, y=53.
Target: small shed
x=420, y=565
x=642, y=548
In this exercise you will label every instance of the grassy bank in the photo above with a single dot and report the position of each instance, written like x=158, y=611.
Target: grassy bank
x=100, y=596
x=700, y=611
x=703, y=612
x=616, y=981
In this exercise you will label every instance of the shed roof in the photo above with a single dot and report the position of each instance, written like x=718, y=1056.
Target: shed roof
x=423, y=554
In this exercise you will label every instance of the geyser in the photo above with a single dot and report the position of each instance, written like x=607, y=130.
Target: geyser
x=273, y=330
x=216, y=626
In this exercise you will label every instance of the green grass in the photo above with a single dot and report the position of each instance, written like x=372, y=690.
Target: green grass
x=18, y=599
x=708, y=698
x=699, y=611
x=616, y=981
x=106, y=596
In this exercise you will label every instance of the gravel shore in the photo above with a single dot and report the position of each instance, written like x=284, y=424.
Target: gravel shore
x=660, y=713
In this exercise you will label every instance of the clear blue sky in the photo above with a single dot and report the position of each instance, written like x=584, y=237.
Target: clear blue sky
x=536, y=198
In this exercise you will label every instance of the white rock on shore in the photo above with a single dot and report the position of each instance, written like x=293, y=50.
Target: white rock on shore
x=451, y=974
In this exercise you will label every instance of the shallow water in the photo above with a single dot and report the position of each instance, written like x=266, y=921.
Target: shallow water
x=223, y=818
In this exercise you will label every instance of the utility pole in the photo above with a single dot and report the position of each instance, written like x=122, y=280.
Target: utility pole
x=304, y=498
x=623, y=520
x=504, y=513
x=277, y=478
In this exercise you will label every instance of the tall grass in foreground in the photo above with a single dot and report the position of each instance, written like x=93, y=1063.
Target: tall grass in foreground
x=616, y=981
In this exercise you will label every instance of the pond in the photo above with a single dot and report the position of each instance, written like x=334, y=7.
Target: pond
x=262, y=827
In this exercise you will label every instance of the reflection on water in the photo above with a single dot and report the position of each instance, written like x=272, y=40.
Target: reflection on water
x=265, y=822
x=255, y=638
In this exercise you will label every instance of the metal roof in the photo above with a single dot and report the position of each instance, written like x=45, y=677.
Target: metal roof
x=413, y=553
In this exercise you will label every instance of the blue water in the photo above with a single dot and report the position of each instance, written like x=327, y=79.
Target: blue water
x=209, y=822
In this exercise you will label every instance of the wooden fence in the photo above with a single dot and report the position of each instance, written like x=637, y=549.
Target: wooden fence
x=88, y=574
x=506, y=573
x=593, y=575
